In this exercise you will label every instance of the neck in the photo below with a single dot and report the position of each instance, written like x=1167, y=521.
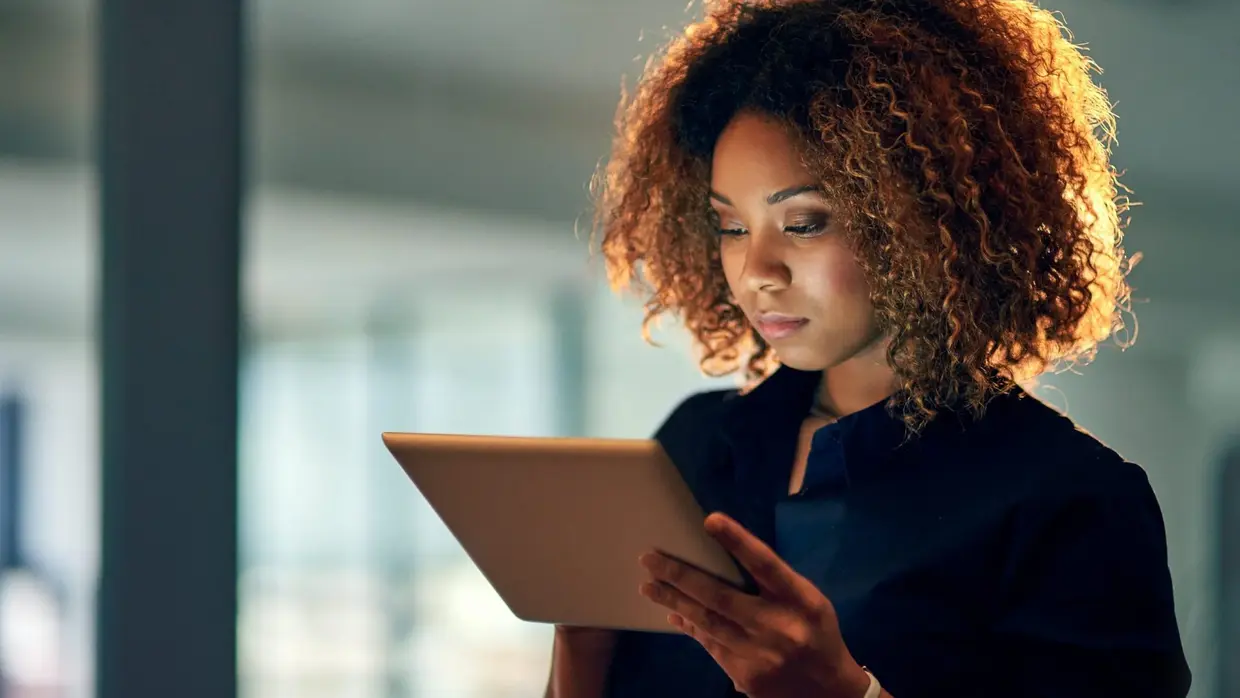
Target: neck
x=857, y=383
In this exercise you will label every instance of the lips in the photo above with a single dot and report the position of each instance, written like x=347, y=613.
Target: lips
x=774, y=326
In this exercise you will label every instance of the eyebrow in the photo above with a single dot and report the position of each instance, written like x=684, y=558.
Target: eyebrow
x=778, y=197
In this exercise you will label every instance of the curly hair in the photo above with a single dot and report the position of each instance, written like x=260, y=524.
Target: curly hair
x=965, y=145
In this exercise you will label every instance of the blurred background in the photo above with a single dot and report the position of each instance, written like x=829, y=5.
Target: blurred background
x=415, y=252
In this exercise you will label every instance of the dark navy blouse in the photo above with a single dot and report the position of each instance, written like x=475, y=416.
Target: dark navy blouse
x=1009, y=556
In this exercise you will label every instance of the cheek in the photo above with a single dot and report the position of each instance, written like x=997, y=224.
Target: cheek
x=732, y=259
x=835, y=277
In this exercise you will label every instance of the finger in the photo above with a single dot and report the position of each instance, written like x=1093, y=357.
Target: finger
x=768, y=569
x=709, y=623
x=702, y=587
x=719, y=651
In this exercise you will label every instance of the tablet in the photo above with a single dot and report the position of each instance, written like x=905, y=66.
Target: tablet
x=556, y=525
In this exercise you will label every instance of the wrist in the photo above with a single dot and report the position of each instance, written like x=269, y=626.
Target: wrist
x=851, y=680
x=585, y=640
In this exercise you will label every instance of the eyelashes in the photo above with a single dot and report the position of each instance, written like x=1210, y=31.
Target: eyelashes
x=807, y=229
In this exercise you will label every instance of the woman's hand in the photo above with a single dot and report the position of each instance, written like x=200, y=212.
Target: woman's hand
x=783, y=643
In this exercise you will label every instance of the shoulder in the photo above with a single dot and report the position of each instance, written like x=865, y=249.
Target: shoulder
x=693, y=414
x=688, y=434
x=1065, y=494
x=1053, y=458
x=1080, y=504
x=1086, y=566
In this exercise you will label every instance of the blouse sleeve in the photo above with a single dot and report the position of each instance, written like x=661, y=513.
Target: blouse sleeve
x=1087, y=606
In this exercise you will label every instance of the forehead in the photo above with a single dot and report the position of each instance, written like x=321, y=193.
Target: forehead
x=756, y=152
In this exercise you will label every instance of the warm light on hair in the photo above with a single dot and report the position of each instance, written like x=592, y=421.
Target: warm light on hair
x=964, y=142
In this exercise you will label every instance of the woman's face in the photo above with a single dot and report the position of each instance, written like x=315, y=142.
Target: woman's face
x=784, y=254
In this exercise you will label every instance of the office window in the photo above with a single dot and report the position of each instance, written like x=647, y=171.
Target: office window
x=350, y=584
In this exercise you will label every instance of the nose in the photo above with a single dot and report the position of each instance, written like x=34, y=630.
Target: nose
x=765, y=268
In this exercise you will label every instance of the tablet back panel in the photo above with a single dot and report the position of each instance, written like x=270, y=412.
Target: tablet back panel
x=556, y=525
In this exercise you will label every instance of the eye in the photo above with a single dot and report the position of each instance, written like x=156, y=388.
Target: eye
x=807, y=228
x=718, y=221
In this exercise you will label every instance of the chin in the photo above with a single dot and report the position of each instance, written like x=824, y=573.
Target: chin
x=803, y=358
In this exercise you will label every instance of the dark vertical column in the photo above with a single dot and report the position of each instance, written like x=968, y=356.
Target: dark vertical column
x=170, y=163
x=569, y=326
x=12, y=411
x=11, y=490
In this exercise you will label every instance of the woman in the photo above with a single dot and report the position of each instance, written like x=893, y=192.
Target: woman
x=888, y=213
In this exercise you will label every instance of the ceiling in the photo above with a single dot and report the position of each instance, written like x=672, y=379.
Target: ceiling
x=387, y=91
x=503, y=109
x=1172, y=68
